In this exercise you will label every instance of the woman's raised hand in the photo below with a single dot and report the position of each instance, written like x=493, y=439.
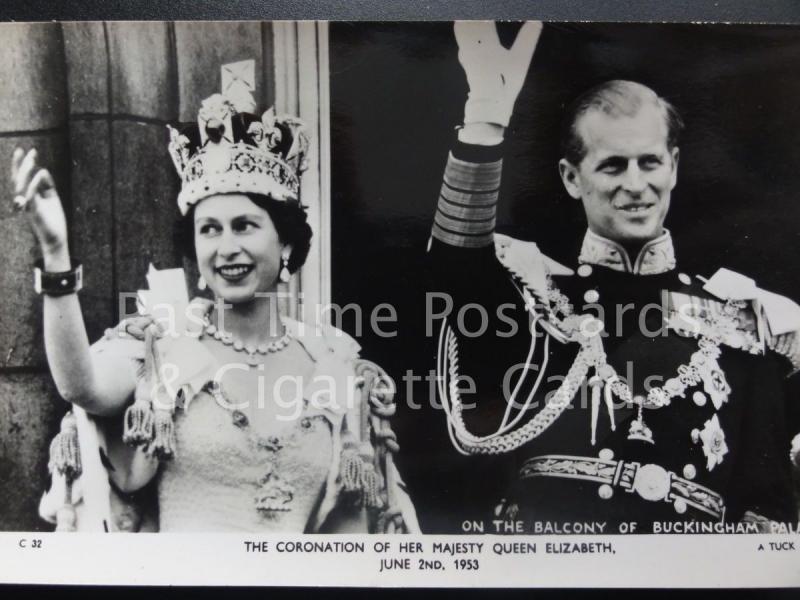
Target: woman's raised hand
x=495, y=75
x=35, y=193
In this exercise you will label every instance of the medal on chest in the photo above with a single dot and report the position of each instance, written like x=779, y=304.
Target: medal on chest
x=557, y=317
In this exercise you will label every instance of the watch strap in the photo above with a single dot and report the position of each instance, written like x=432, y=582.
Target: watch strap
x=57, y=283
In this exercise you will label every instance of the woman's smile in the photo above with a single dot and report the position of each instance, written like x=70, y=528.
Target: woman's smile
x=234, y=272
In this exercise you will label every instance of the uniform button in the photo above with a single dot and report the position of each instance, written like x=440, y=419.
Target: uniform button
x=684, y=279
x=680, y=506
x=689, y=472
x=605, y=491
x=584, y=270
x=699, y=398
x=606, y=454
x=591, y=296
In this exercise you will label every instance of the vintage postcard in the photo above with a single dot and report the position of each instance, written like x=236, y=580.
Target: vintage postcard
x=472, y=303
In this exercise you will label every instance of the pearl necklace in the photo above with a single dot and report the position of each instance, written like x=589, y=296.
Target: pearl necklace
x=252, y=350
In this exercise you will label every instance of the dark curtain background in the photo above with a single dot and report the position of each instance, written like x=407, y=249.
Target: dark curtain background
x=397, y=91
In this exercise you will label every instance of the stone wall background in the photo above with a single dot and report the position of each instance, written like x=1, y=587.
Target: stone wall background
x=94, y=98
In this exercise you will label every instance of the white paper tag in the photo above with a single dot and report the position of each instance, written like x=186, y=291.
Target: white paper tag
x=167, y=300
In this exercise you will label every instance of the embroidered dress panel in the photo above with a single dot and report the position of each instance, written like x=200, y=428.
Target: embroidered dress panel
x=214, y=483
x=233, y=467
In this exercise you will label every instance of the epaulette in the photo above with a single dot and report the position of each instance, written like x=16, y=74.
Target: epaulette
x=778, y=316
x=691, y=312
x=763, y=322
x=524, y=261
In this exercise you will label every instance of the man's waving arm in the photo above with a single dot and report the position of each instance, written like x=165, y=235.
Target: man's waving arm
x=465, y=215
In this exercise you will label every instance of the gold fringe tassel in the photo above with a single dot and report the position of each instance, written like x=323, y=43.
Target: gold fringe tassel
x=163, y=444
x=371, y=483
x=351, y=469
x=65, y=454
x=139, y=423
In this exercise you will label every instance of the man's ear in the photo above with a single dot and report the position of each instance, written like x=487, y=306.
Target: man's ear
x=569, y=177
x=675, y=156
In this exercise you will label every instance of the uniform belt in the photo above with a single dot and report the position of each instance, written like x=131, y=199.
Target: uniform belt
x=651, y=482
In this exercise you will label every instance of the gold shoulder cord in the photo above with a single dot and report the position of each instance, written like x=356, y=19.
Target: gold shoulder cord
x=561, y=322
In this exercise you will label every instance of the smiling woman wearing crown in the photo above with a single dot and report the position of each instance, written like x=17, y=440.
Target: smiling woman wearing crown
x=247, y=420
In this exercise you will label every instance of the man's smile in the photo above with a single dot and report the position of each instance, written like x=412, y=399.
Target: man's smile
x=635, y=207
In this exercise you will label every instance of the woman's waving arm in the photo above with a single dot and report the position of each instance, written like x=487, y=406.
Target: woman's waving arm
x=101, y=383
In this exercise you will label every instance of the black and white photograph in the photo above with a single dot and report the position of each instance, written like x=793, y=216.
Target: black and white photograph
x=512, y=290
x=649, y=255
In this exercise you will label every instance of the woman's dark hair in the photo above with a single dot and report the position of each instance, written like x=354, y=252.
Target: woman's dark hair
x=289, y=219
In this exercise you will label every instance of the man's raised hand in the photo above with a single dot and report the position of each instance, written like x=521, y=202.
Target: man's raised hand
x=494, y=74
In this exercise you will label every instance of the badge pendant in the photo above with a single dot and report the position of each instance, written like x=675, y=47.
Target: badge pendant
x=639, y=429
x=274, y=494
x=715, y=384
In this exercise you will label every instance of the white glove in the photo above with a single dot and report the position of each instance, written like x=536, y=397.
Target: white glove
x=495, y=75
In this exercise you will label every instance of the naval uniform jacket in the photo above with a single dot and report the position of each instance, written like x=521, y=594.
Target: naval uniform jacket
x=740, y=462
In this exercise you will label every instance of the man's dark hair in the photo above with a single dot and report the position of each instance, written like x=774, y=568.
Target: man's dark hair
x=615, y=98
x=289, y=219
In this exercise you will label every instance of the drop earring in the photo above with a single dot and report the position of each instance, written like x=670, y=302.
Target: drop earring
x=285, y=275
x=201, y=283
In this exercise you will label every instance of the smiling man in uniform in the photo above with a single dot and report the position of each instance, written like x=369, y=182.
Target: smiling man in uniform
x=599, y=409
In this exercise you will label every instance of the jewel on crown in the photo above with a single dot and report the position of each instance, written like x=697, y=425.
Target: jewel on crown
x=233, y=150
